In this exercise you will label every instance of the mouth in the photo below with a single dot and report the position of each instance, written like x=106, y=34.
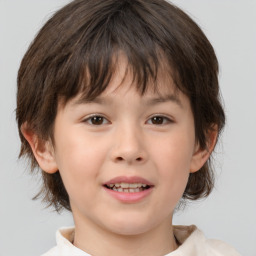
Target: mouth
x=128, y=187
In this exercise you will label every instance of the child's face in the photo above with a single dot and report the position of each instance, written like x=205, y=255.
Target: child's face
x=124, y=137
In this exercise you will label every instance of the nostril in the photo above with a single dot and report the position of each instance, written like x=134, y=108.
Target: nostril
x=119, y=159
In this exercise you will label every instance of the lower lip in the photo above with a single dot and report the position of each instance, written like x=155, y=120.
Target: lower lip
x=125, y=197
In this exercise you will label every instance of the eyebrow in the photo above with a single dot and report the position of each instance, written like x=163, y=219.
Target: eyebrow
x=97, y=100
x=162, y=99
x=148, y=101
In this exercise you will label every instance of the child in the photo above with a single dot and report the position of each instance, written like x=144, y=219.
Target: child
x=118, y=104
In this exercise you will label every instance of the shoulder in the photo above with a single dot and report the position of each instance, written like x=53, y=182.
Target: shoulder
x=53, y=252
x=65, y=247
x=193, y=242
x=220, y=248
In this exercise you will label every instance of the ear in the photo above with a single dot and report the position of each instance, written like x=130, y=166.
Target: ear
x=200, y=155
x=42, y=150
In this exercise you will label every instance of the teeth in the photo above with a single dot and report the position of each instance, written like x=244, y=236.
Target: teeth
x=124, y=185
x=135, y=185
x=127, y=187
x=128, y=190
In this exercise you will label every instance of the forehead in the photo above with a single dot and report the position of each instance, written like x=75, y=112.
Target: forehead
x=123, y=76
x=123, y=81
x=159, y=80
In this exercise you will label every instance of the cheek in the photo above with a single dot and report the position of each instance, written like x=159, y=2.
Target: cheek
x=78, y=149
x=79, y=161
x=172, y=161
x=175, y=155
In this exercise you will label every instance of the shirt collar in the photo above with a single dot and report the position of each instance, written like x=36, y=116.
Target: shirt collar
x=188, y=236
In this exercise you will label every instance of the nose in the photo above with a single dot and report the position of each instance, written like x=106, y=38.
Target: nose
x=129, y=146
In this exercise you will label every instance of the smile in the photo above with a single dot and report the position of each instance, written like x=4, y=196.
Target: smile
x=128, y=187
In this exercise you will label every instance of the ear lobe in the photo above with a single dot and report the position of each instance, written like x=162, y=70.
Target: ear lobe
x=200, y=155
x=42, y=150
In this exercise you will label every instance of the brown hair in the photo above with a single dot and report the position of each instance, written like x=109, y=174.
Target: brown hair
x=74, y=53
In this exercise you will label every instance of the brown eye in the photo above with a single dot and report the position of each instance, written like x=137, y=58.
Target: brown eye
x=96, y=120
x=157, y=120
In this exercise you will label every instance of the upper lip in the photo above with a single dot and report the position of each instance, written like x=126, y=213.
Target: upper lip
x=126, y=179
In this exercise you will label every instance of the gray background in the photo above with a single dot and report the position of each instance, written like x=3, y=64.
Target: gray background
x=229, y=214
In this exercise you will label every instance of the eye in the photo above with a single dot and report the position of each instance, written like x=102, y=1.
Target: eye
x=159, y=120
x=96, y=120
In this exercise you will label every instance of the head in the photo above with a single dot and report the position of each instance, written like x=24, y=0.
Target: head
x=77, y=54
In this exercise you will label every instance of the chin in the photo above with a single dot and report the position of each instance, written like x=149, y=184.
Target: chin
x=130, y=226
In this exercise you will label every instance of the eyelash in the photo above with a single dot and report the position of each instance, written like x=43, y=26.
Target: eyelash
x=90, y=118
x=166, y=120
x=103, y=120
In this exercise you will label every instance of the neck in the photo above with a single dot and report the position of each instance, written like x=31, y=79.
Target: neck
x=97, y=241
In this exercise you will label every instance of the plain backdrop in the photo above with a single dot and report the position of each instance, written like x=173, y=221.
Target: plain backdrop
x=229, y=214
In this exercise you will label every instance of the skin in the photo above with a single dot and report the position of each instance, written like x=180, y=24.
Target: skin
x=124, y=140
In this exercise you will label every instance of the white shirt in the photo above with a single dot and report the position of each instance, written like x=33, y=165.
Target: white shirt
x=192, y=240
